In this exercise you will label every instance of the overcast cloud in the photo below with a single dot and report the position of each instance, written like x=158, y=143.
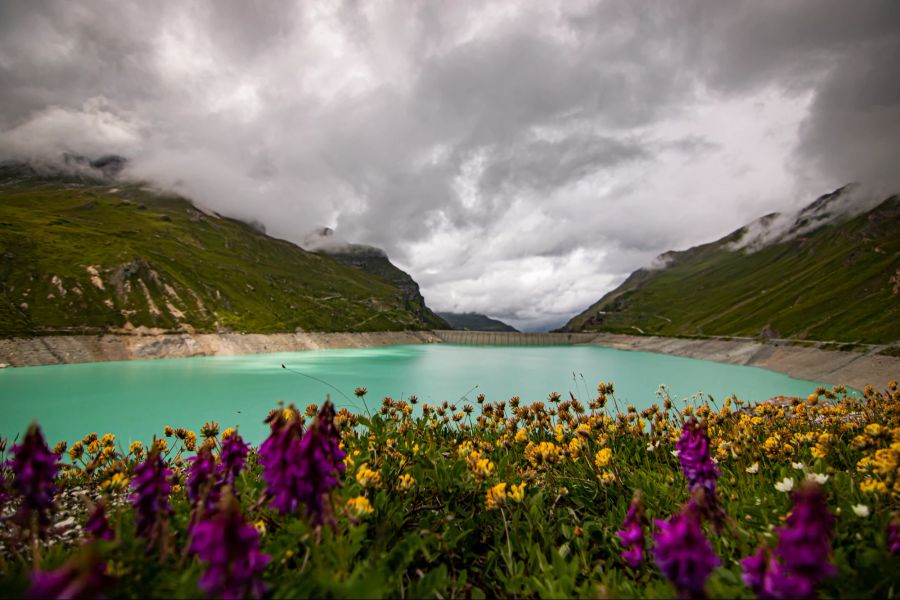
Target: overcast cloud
x=517, y=158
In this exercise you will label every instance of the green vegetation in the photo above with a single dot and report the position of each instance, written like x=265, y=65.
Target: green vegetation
x=503, y=500
x=840, y=282
x=87, y=257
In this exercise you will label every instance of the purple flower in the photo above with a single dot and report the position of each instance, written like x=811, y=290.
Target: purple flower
x=34, y=469
x=301, y=468
x=230, y=547
x=693, y=454
x=150, y=500
x=632, y=534
x=83, y=576
x=232, y=457
x=201, y=480
x=683, y=553
x=97, y=524
x=893, y=536
x=801, y=558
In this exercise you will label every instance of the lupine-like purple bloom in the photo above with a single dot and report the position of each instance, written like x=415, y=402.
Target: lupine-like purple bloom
x=152, y=487
x=97, y=525
x=301, y=469
x=231, y=548
x=693, y=454
x=231, y=458
x=801, y=558
x=632, y=534
x=83, y=576
x=683, y=553
x=202, y=480
x=893, y=536
x=34, y=469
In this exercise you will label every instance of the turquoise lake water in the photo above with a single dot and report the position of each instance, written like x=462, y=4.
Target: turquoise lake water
x=136, y=399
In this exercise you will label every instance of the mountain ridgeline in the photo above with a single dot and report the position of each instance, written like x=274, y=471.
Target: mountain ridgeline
x=83, y=253
x=829, y=273
x=475, y=322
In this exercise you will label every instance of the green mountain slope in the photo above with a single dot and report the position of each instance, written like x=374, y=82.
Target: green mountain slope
x=83, y=256
x=475, y=322
x=828, y=279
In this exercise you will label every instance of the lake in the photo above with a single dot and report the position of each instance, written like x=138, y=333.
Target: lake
x=136, y=399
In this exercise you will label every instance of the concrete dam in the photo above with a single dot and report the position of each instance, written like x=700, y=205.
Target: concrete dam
x=509, y=338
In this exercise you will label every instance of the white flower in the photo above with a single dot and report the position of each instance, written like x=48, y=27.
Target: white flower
x=799, y=465
x=753, y=469
x=651, y=447
x=785, y=485
x=861, y=510
x=675, y=453
x=817, y=477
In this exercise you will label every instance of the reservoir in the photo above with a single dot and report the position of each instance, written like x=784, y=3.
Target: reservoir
x=134, y=400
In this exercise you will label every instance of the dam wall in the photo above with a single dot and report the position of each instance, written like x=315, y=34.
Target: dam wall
x=510, y=338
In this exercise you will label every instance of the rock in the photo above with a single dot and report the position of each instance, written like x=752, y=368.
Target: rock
x=66, y=524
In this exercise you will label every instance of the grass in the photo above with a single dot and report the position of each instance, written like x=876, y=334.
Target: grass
x=436, y=535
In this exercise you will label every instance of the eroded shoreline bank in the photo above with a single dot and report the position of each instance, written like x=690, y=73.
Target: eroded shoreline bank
x=853, y=369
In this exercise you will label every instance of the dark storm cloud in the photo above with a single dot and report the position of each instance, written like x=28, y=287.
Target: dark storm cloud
x=518, y=159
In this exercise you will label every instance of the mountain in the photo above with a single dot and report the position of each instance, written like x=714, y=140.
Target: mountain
x=83, y=253
x=830, y=272
x=374, y=261
x=474, y=322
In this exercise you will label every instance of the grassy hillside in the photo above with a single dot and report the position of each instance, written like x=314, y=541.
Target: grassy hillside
x=88, y=256
x=840, y=281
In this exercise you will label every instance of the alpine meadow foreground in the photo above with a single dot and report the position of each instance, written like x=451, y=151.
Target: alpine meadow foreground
x=566, y=498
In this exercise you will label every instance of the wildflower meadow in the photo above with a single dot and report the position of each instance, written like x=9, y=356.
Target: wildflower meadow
x=797, y=497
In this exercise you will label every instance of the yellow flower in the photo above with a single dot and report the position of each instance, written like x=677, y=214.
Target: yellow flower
x=819, y=451
x=190, y=440
x=517, y=492
x=559, y=433
x=136, y=448
x=886, y=460
x=94, y=447
x=76, y=451
x=260, y=527
x=108, y=440
x=606, y=477
x=603, y=458
x=496, y=496
x=482, y=468
x=360, y=506
x=168, y=431
x=228, y=433
x=415, y=449
x=118, y=482
x=162, y=444
x=870, y=485
x=583, y=429
x=464, y=449
x=367, y=477
x=406, y=482
x=544, y=452
x=576, y=445
x=521, y=436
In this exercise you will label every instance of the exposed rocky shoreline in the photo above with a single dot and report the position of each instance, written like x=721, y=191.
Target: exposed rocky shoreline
x=854, y=369
x=52, y=350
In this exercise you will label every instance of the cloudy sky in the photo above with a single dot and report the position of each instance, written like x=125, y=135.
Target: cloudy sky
x=517, y=158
